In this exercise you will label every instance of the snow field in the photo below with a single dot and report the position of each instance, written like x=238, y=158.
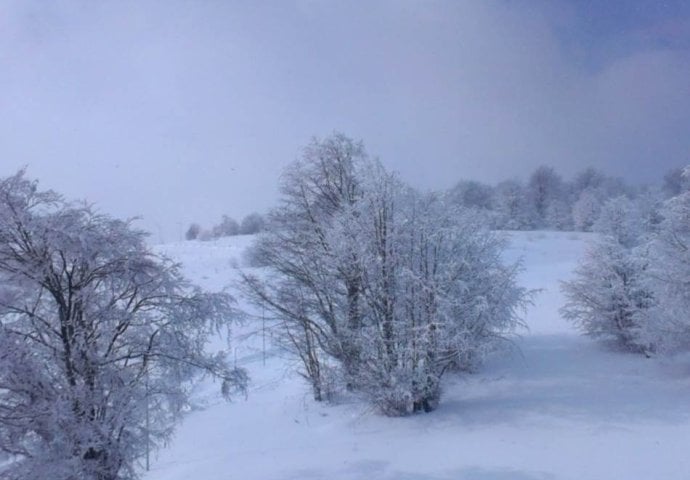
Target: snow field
x=558, y=406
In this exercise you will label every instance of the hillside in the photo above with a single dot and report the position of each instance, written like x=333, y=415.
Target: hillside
x=558, y=407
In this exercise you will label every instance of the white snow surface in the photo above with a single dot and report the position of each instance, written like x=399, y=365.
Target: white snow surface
x=559, y=406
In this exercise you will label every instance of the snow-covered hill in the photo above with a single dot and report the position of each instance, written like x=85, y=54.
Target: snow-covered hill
x=558, y=407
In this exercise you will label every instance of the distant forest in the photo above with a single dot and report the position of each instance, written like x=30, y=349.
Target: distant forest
x=546, y=201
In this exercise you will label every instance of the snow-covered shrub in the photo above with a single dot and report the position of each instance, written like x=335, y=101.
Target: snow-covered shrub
x=396, y=287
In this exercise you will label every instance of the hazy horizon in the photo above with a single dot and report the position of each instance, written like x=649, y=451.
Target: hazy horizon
x=180, y=111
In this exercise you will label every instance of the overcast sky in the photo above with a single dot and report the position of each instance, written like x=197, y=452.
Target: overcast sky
x=181, y=111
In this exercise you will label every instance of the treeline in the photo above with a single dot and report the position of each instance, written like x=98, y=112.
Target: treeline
x=547, y=201
x=228, y=227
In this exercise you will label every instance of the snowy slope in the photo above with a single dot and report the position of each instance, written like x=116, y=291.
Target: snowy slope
x=559, y=407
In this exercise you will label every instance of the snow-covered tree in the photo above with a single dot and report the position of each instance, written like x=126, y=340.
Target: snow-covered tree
x=96, y=334
x=559, y=214
x=472, y=194
x=589, y=191
x=193, y=232
x=477, y=196
x=588, y=179
x=594, y=180
x=380, y=288
x=252, y=224
x=314, y=293
x=586, y=209
x=513, y=210
x=227, y=227
x=675, y=182
x=670, y=276
x=649, y=202
x=545, y=187
x=436, y=296
x=621, y=220
x=609, y=297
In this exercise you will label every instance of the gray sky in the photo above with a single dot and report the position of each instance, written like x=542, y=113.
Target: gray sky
x=181, y=110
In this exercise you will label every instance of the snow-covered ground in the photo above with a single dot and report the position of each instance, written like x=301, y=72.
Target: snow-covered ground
x=558, y=407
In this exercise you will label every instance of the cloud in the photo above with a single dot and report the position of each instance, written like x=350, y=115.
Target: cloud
x=182, y=111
